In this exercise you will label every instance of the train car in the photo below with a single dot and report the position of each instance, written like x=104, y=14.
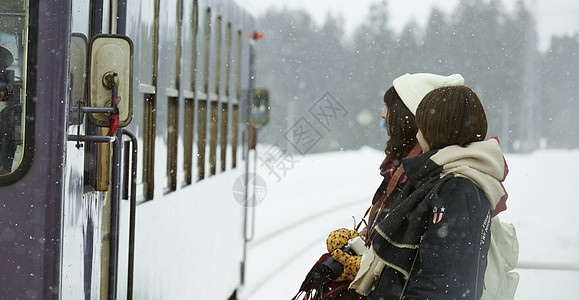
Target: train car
x=121, y=122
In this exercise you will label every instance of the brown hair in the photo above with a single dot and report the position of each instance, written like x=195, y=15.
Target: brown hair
x=451, y=115
x=402, y=126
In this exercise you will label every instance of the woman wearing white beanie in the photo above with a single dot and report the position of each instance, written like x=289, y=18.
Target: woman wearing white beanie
x=401, y=101
x=413, y=87
x=439, y=240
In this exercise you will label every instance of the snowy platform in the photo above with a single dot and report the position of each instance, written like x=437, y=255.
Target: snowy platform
x=322, y=192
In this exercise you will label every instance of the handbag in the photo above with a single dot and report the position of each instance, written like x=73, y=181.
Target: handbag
x=319, y=283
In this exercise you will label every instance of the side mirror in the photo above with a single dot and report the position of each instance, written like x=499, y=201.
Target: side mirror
x=260, y=110
x=78, y=57
x=111, y=56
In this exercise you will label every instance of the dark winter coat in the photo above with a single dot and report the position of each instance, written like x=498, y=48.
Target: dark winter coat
x=438, y=229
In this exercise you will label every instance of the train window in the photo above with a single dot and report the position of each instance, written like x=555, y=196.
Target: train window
x=15, y=128
x=201, y=137
x=149, y=129
x=235, y=103
x=229, y=38
x=188, y=115
x=189, y=81
x=225, y=104
x=172, y=51
x=234, y=132
x=214, y=115
x=147, y=36
x=224, y=128
x=147, y=52
x=202, y=101
x=206, y=40
x=215, y=99
x=172, y=138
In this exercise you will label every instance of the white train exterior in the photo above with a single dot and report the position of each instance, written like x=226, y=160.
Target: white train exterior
x=142, y=212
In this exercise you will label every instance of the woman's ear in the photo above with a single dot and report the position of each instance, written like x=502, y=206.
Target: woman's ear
x=422, y=141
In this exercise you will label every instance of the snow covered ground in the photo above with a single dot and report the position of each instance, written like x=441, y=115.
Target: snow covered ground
x=318, y=193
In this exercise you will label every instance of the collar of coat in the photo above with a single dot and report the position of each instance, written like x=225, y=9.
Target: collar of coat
x=481, y=162
x=399, y=233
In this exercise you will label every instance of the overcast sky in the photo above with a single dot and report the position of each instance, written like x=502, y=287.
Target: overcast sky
x=554, y=17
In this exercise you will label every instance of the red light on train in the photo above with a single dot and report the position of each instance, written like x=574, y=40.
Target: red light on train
x=255, y=35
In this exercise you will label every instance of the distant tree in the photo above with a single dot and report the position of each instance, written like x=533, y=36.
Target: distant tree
x=334, y=79
x=372, y=41
x=496, y=51
x=526, y=118
x=405, y=55
x=301, y=63
x=285, y=57
x=560, y=93
x=492, y=49
x=371, y=72
x=437, y=40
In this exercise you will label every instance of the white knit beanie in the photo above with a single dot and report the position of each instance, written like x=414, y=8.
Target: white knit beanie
x=413, y=87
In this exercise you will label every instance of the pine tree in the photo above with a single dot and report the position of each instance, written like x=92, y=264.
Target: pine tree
x=560, y=93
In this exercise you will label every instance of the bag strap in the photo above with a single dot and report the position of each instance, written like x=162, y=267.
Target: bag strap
x=409, y=273
x=389, y=189
x=393, y=181
x=480, y=245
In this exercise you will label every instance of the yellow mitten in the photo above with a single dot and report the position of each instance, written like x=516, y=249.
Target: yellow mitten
x=351, y=264
x=339, y=238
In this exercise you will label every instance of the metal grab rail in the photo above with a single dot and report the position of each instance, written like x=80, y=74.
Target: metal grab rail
x=115, y=215
x=554, y=266
x=132, y=212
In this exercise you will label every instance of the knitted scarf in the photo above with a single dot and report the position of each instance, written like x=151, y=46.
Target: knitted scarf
x=399, y=234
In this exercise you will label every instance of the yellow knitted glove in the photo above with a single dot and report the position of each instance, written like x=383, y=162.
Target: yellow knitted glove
x=351, y=264
x=339, y=238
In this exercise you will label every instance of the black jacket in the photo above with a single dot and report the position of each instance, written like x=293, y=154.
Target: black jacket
x=448, y=219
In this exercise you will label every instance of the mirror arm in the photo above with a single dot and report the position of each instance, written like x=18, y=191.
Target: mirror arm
x=91, y=110
x=92, y=138
x=80, y=109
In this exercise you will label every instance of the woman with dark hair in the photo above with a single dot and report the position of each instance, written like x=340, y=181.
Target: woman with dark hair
x=401, y=100
x=435, y=241
x=401, y=129
x=452, y=116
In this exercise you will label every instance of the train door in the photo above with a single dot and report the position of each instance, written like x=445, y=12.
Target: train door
x=90, y=214
x=82, y=204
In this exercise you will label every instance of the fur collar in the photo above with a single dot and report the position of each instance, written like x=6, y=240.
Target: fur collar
x=481, y=162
